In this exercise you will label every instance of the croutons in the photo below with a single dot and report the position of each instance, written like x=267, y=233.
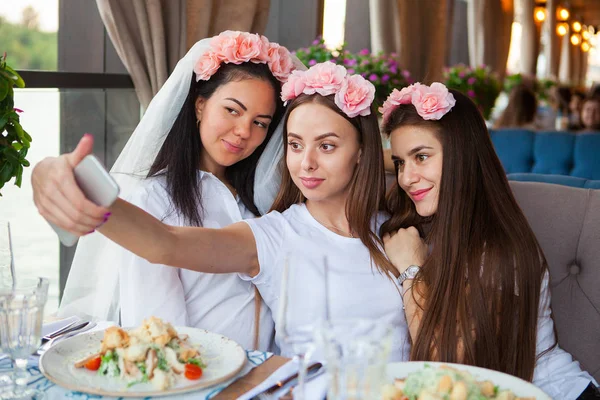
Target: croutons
x=114, y=337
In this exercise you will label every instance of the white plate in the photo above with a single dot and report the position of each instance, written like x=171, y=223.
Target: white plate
x=504, y=381
x=224, y=359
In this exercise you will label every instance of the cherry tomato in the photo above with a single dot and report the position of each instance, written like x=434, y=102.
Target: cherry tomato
x=93, y=364
x=193, y=372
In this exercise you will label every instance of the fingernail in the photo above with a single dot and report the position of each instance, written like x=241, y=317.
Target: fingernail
x=92, y=231
x=87, y=134
x=106, y=216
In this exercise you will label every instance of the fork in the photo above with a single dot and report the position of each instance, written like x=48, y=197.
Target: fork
x=69, y=328
x=84, y=328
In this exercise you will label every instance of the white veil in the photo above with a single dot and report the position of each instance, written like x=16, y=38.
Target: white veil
x=92, y=288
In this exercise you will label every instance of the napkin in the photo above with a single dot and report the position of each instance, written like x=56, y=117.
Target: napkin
x=315, y=388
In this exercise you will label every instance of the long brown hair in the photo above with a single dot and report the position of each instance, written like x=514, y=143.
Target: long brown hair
x=367, y=188
x=483, y=277
x=521, y=108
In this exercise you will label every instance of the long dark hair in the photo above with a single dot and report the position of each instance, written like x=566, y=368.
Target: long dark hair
x=179, y=156
x=367, y=188
x=483, y=277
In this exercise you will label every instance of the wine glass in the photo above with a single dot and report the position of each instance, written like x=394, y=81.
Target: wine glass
x=21, y=314
x=302, y=308
x=6, y=279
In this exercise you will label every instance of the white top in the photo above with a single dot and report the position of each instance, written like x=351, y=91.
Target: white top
x=220, y=303
x=556, y=373
x=360, y=291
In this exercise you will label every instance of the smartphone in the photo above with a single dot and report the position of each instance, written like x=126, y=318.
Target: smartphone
x=97, y=185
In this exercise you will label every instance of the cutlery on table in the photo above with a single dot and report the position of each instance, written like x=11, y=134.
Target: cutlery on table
x=312, y=371
x=65, y=335
x=69, y=328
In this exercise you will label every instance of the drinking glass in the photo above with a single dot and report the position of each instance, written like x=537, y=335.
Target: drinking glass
x=301, y=309
x=356, y=352
x=21, y=315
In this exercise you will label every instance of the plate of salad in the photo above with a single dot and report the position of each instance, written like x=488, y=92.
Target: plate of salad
x=433, y=380
x=154, y=359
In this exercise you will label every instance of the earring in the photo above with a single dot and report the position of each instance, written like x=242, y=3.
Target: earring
x=198, y=124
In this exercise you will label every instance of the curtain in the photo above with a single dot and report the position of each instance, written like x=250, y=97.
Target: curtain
x=530, y=39
x=490, y=25
x=150, y=36
x=416, y=30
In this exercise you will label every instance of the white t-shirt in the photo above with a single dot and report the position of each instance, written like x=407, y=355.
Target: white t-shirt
x=220, y=303
x=361, y=291
x=556, y=373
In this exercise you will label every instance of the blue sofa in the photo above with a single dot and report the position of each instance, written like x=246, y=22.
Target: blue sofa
x=555, y=153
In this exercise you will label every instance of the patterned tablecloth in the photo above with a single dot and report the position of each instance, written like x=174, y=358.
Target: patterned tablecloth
x=55, y=392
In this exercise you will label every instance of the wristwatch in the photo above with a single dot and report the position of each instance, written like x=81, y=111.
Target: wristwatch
x=409, y=273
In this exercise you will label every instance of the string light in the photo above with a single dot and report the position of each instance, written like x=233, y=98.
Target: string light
x=562, y=28
x=575, y=39
x=576, y=26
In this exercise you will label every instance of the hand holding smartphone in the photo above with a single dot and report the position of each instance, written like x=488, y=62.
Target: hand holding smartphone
x=97, y=185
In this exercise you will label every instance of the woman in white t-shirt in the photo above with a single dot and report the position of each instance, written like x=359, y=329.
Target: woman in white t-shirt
x=328, y=204
x=476, y=287
x=211, y=121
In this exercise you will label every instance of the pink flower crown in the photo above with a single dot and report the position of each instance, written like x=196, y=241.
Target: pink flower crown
x=353, y=93
x=431, y=102
x=239, y=47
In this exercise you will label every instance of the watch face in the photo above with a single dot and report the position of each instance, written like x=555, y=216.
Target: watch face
x=411, y=271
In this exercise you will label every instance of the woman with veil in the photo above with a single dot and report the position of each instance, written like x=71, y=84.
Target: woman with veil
x=204, y=154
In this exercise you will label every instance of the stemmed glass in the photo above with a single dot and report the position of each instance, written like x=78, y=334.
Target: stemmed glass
x=302, y=309
x=21, y=315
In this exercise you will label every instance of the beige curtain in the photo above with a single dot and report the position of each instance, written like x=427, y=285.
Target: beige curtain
x=150, y=36
x=553, y=52
x=490, y=25
x=416, y=30
x=530, y=39
x=209, y=17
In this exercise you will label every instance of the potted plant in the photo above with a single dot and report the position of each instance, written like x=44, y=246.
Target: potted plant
x=480, y=84
x=14, y=140
x=382, y=70
x=541, y=87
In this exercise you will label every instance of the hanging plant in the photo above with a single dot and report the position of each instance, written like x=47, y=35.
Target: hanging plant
x=14, y=140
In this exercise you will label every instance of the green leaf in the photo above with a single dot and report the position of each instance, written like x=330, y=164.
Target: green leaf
x=19, y=176
x=12, y=155
x=6, y=172
x=19, y=82
x=3, y=89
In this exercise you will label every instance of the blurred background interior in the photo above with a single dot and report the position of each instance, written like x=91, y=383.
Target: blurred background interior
x=93, y=66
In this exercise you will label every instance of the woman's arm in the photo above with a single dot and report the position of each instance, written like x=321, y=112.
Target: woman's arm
x=405, y=248
x=227, y=250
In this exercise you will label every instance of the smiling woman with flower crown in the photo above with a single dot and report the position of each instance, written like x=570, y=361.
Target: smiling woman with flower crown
x=197, y=147
x=476, y=286
x=328, y=204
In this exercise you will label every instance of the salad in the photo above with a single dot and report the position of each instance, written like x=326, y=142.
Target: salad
x=445, y=383
x=153, y=352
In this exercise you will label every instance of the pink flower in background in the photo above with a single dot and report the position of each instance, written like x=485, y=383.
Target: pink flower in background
x=294, y=86
x=17, y=110
x=355, y=96
x=471, y=80
x=207, y=65
x=279, y=61
x=471, y=93
x=312, y=62
x=432, y=102
x=325, y=78
x=364, y=52
x=373, y=77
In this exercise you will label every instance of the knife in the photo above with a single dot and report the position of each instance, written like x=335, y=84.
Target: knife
x=312, y=370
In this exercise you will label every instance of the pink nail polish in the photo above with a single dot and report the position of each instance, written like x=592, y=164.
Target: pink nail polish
x=92, y=231
x=87, y=134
